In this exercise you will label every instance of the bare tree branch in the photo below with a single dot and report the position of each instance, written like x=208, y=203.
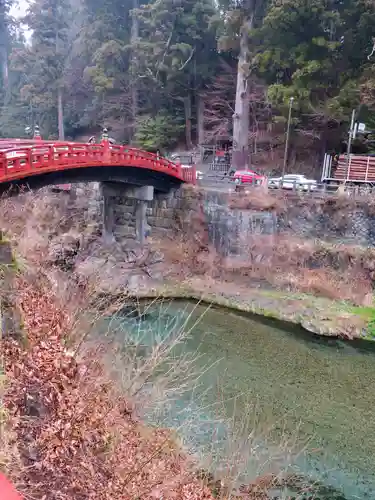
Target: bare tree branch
x=165, y=50
x=187, y=60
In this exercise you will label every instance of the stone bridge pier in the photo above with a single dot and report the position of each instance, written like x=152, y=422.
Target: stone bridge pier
x=113, y=195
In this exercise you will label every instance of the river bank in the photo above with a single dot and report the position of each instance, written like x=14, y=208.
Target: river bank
x=317, y=315
x=152, y=272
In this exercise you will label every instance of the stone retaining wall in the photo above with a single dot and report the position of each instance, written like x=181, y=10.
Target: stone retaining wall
x=335, y=220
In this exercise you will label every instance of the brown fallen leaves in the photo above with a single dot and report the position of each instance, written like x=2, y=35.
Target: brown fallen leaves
x=75, y=435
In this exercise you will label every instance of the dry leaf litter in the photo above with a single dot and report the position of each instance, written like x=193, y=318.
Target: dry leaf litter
x=76, y=438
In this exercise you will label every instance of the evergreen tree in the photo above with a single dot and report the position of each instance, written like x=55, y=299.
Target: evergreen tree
x=13, y=114
x=176, y=55
x=43, y=63
x=315, y=51
x=151, y=64
x=5, y=38
x=103, y=56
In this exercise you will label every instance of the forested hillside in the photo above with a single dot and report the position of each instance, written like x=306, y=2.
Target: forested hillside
x=162, y=73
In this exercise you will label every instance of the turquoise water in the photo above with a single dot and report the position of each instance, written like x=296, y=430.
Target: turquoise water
x=291, y=400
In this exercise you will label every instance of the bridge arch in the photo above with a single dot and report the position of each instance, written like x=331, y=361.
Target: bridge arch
x=37, y=163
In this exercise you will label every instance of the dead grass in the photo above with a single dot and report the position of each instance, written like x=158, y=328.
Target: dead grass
x=338, y=272
x=73, y=414
x=283, y=261
x=9, y=453
x=292, y=264
x=73, y=430
x=258, y=199
x=36, y=221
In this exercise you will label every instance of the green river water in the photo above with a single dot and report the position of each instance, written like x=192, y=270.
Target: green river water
x=281, y=385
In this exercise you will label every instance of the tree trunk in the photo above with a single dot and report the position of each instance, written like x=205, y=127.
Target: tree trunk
x=240, y=158
x=187, y=107
x=200, y=120
x=5, y=73
x=4, y=69
x=4, y=66
x=60, y=114
x=134, y=88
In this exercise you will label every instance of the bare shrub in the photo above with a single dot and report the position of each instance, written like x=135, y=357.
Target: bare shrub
x=35, y=221
x=10, y=461
x=338, y=273
x=84, y=441
x=75, y=399
x=257, y=199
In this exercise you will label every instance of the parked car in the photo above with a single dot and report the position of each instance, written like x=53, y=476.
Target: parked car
x=247, y=177
x=292, y=181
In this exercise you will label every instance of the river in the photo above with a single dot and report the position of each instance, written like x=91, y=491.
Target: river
x=295, y=401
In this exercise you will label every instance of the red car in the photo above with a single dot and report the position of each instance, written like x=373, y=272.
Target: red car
x=247, y=177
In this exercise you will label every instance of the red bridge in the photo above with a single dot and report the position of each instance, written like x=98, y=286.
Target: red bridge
x=36, y=163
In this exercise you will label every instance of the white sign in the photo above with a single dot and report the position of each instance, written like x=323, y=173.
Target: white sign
x=361, y=127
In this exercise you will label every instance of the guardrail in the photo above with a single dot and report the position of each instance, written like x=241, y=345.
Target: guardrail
x=319, y=189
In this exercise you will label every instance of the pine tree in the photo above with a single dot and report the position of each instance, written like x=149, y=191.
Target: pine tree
x=320, y=65
x=43, y=63
x=5, y=36
x=176, y=53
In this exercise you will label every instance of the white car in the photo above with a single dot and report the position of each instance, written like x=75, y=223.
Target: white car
x=293, y=181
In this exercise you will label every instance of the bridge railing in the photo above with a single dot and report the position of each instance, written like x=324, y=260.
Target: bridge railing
x=21, y=159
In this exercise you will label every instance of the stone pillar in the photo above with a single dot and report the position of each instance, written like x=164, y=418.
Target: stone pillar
x=142, y=195
x=141, y=221
x=108, y=215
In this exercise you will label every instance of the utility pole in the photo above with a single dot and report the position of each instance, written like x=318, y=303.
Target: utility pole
x=133, y=80
x=349, y=148
x=60, y=108
x=287, y=137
